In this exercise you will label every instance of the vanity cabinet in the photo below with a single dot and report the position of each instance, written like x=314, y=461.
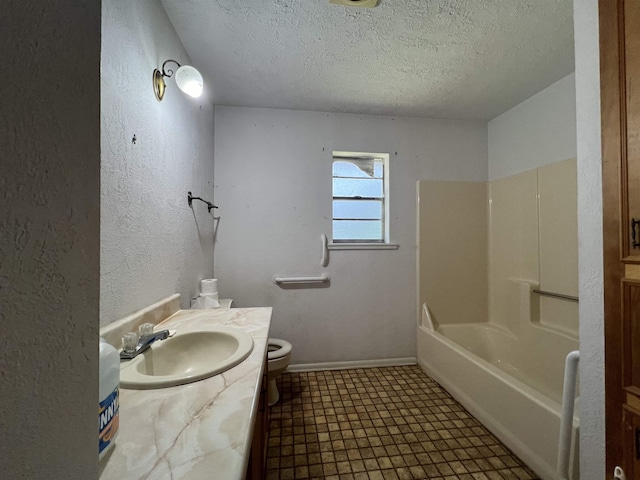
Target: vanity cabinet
x=210, y=404
x=256, y=469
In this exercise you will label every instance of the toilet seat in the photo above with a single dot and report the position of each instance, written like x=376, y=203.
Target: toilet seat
x=284, y=348
x=278, y=362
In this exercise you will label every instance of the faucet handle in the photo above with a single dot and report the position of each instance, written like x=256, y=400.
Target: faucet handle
x=145, y=329
x=129, y=342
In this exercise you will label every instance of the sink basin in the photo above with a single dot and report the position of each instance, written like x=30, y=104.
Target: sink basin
x=187, y=357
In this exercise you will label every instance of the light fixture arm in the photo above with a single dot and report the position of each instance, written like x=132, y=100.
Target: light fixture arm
x=168, y=72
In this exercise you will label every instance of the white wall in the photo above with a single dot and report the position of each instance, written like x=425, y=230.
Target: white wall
x=49, y=238
x=534, y=133
x=152, y=243
x=592, y=437
x=273, y=186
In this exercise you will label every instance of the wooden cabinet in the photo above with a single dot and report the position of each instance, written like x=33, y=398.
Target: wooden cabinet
x=620, y=113
x=258, y=458
x=631, y=441
x=629, y=125
x=630, y=331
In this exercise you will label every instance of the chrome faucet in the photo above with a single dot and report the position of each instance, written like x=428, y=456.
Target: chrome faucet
x=144, y=343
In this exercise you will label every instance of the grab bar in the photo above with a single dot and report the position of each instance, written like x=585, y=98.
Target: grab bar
x=286, y=280
x=556, y=295
x=566, y=419
x=324, y=261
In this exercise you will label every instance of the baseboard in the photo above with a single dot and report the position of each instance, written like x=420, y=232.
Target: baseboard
x=384, y=362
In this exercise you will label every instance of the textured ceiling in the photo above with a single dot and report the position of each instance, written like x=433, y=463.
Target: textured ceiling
x=444, y=59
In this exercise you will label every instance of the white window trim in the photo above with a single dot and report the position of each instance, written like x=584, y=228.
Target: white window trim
x=386, y=244
x=363, y=246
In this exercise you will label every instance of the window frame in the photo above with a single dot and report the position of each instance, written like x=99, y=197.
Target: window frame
x=360, y=244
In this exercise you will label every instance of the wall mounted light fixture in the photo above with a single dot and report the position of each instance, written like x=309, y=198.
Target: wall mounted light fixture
x=187, y=78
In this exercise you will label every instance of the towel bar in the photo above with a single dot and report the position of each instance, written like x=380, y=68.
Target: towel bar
x=556, y=295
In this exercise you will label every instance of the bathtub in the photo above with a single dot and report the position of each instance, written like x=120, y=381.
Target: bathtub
x=508, y=384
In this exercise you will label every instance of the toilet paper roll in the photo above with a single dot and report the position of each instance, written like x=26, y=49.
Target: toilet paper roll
x=214, y=296
x=209, y=285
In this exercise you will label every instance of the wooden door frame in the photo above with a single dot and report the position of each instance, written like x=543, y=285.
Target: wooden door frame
x=615, y=240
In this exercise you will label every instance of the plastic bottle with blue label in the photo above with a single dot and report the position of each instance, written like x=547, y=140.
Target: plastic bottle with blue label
x=109, y=393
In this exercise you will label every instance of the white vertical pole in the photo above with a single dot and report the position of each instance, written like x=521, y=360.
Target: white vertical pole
x=566, y=419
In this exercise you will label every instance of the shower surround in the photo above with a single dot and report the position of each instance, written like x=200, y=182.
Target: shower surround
x=483, y=333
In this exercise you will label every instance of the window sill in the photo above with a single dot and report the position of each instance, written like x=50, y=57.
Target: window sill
x=363, y=246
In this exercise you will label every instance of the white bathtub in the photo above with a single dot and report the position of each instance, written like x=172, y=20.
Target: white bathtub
x=511, y=386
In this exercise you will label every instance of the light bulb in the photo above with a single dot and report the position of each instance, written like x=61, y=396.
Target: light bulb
x=189, y=80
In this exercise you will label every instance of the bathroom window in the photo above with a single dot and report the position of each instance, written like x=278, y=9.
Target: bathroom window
x=360, y=198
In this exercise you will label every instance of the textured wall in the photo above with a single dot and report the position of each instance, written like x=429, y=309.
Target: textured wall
x=536, y=132
x=592, y=439
x=152, y=243
x=49, y=238
x=273, y=185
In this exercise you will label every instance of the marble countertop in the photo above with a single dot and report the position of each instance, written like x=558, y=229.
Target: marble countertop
x=199, y=430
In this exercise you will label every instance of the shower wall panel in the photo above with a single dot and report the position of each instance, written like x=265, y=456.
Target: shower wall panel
x=453, y=250
x=558, y=227
x=513, y=243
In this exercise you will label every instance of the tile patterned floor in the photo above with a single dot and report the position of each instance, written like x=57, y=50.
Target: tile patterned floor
x=379, y=424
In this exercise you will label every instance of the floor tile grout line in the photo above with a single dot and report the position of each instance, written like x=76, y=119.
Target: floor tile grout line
x=335, y=406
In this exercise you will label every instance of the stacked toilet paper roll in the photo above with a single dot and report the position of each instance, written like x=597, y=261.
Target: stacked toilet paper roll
x=209, y=286
x=208, y=294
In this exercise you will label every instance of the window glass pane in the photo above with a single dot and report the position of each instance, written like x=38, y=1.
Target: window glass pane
x=362, y=187
x=348, y=169
x=366, y=230
x=358, y=177
x=370, y=209
x=378, y=170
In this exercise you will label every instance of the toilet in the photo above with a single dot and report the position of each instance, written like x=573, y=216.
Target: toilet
x=278, y=356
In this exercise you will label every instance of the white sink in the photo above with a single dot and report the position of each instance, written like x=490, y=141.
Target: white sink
x=186, y=357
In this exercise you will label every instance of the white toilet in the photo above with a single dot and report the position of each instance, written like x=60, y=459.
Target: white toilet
x=278, y=356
